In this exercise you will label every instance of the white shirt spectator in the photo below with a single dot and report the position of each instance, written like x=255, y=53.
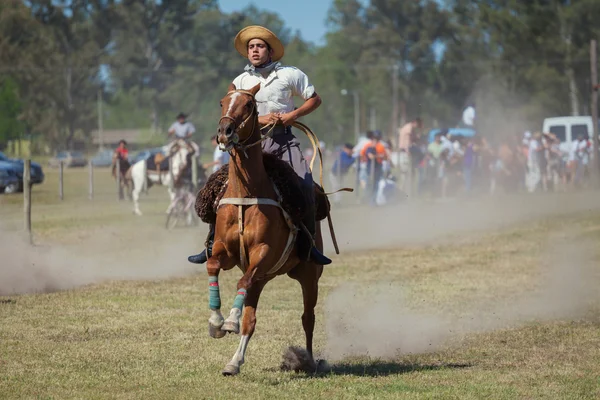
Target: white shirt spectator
x=220, y=158
x=533, y=148
x=581, y=152
x=182, y=130
x=526, y=138
x=359, y=146
x=277, y=89
x=468, y=116
x=447, y=145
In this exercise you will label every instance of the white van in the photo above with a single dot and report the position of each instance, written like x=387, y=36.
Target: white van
x=567, y=129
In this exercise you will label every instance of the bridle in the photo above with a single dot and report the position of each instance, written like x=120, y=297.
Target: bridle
x=242, y=146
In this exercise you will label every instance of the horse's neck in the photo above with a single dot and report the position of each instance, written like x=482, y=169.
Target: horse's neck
x=247, y=174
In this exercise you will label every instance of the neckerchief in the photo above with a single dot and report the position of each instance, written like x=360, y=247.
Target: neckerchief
x=265, y=70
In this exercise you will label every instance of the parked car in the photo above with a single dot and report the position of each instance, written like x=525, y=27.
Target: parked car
x=37, y=173
x=103, y=158
x=9, y=181
x=144, y=154
x=69, y=159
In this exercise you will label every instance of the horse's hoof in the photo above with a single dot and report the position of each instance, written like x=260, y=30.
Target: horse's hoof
x=231, y=327
x=231, y=370
x=215, y=332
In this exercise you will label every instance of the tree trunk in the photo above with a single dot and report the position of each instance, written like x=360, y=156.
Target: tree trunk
x=566, y=36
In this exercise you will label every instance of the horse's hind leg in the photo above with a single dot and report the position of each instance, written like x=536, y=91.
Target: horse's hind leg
x=248, y=325
x=307, y=274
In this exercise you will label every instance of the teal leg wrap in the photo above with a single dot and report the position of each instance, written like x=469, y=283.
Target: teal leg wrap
x=214, y=299
x=239, y=299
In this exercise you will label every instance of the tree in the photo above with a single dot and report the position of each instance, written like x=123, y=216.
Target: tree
x=56, y=63
x=10, y=109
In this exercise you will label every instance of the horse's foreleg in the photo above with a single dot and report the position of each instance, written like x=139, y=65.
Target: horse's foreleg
x=172, y=193
x=215, y=322
x=248, y=325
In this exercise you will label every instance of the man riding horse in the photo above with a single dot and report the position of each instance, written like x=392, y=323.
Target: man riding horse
x=278, y=84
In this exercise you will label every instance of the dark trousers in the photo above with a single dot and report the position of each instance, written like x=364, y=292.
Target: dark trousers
x=286, y=147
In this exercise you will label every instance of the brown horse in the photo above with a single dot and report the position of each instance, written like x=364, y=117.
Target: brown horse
x=252, y=231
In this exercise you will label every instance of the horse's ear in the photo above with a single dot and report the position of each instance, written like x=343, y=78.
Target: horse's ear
x=255, y=89
x=231, y=87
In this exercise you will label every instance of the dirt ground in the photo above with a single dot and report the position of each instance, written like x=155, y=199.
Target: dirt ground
x=92, y=243
x=489, y=297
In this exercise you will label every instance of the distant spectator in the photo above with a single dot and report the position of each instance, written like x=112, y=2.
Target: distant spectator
x=468, y=116
x=407, y=138
x=220, y=157
x=342, y=164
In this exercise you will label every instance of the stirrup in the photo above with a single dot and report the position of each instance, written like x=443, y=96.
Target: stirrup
x=318, y=257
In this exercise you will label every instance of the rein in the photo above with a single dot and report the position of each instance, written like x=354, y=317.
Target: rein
x=242, y=147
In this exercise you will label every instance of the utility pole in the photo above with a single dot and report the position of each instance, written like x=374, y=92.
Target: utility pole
x=394, y=124
x=373, y=119
x=356, y=116
x=594, y=106
x=100, y=128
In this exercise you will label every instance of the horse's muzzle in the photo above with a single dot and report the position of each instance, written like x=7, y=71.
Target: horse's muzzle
x=226, y=135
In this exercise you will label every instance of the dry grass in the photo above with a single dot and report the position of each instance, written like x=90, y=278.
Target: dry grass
x=148, y=338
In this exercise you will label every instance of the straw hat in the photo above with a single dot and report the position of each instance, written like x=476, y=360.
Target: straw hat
x=258, y=32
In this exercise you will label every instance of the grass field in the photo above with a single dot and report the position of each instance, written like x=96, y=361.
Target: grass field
x=505, y=312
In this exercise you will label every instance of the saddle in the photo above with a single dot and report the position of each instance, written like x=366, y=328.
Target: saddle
x=285, y=179
x=159, y=163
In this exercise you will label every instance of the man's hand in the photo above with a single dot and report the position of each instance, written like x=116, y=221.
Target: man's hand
x=269, y=119
x=288, y=118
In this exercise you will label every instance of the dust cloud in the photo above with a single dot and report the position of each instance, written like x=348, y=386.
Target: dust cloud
x=378, y=325
x=102, y=256
x=426, y=222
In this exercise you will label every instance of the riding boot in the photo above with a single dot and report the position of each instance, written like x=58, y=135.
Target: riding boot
x=310, y=224
x=206, y=253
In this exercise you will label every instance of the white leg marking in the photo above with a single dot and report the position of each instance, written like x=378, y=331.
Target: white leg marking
x=216, y=318
x=240, y=354
x=234, y=316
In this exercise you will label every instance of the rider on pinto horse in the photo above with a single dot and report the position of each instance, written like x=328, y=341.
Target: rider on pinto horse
x=275, y=106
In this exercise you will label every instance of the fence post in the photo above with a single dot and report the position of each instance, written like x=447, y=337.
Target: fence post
x=194, y=172
x=27, y=197
x=91, y=179
x=61, y=192
x=119, y=186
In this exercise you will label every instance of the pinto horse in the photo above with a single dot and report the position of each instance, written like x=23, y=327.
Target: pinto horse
x=179, y=153
x=252, y=231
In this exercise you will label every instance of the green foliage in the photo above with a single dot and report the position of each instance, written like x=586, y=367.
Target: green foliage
x=10, y=107
x=519, y=60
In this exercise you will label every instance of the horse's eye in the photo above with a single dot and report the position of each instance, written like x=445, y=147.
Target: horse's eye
x=249, y=104
x=220, y=104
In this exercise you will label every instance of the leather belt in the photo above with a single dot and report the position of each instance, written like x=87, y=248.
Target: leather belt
x=281, y=130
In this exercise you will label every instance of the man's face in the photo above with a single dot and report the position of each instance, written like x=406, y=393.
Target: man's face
x=181, y=120
x=348, y=151
x=258, y=52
